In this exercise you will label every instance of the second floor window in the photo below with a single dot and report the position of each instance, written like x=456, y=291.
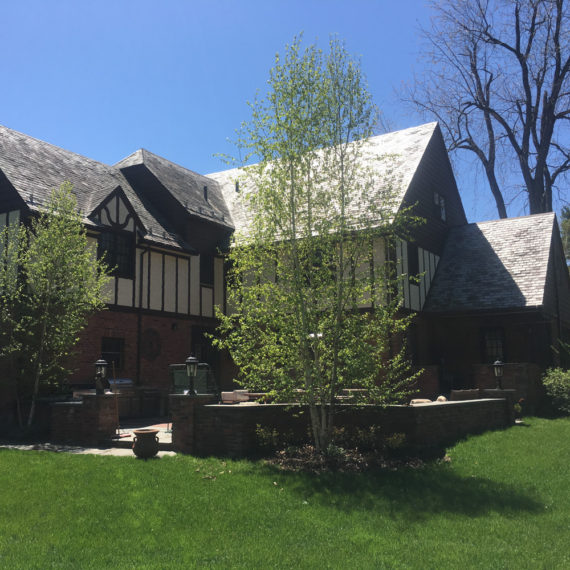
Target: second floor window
x=206, y=269
x=119, y=253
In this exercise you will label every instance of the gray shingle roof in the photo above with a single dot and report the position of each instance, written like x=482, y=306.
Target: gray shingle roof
x=36, y=167
x=185, y=185
x=392, y=158
x=500, y=264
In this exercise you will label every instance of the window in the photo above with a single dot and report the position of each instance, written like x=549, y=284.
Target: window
x=118, y=251
x=493, y=341
x=439, y=206
x=206, y=269
x=113, y=351
x=413, y=261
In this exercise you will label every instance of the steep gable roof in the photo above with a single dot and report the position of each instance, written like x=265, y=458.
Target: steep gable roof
x=393, y=159
x=500, y=264
x=35, y=168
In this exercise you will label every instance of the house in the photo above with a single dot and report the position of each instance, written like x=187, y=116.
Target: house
x=494, y=290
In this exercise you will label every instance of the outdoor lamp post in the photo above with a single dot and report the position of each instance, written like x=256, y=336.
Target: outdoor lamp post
x=498, y=370
x=100, y=375
x=191, y=371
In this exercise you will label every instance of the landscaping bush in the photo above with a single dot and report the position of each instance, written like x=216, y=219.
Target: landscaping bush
x=557, y=384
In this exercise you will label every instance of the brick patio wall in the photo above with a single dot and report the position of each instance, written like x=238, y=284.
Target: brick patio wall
x=230, y=430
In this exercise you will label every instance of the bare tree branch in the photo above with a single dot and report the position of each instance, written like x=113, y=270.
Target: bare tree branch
x=498, y=81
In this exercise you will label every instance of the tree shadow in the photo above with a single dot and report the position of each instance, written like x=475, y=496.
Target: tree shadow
x=410, y=494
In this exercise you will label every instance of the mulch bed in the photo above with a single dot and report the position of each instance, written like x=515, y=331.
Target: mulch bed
x=307, y=459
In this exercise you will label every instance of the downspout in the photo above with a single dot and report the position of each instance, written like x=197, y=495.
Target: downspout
x=139, y=318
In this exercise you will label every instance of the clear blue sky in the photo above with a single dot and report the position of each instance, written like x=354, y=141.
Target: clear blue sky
x=104, y=78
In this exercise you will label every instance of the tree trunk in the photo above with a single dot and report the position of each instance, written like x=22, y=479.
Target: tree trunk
x=38, y=374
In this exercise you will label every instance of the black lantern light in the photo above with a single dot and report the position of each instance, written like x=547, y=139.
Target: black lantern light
x=100, y=376
x=498, y=370
x=191, y=372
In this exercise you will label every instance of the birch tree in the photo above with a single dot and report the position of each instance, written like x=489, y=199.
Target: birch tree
x=311, y=312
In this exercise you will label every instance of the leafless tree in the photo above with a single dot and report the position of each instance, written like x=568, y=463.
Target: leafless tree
x=498, y=80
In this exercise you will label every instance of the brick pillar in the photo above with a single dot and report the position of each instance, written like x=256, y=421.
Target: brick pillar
x=510, y=398
x=93, y=421
x=182, y=408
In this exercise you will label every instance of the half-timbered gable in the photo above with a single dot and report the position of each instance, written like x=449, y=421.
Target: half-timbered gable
x=412, y=168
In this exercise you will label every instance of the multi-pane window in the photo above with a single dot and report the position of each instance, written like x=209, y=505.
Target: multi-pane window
x=113, y=351
x=118, y=251
x=493, y=341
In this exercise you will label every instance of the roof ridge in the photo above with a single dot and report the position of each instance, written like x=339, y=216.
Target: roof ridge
x=176, y=164
x=54, y=146
x=432, y=124
x=499, y=220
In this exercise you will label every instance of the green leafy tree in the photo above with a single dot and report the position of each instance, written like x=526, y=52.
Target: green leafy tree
x=313, y=309
x=52, y=282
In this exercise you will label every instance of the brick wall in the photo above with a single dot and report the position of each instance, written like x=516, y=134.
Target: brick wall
x=524, y=378
x=92, y=421
x=168, y=342
x=227, y=430
x=428, y=382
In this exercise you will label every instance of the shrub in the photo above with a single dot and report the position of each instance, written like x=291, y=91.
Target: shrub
x=557, y=384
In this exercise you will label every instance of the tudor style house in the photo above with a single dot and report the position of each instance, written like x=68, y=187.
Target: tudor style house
x=487, y=291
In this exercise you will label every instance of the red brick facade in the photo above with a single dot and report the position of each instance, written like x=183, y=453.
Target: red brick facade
x=164, y=340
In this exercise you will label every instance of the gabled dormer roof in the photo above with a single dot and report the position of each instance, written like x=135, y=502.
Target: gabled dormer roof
x=392, y=158
x=198, y=195
x=496, y=265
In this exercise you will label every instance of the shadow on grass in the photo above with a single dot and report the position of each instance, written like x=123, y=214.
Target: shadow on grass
x=410, y=494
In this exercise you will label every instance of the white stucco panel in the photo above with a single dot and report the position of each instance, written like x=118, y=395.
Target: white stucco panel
x=195, y=285
x=207, y=302
x=155, y=281
x=183, y=285
x=169, y=283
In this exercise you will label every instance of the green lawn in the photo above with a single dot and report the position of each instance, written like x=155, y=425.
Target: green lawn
x=502, y=502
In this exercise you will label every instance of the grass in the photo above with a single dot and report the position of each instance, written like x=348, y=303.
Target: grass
x=502, y=502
